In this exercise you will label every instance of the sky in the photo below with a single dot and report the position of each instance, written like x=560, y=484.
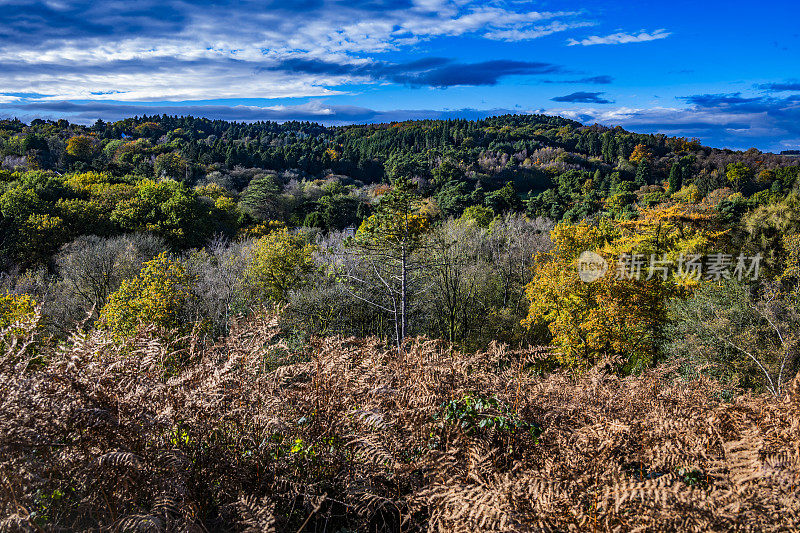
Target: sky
x=727, y=73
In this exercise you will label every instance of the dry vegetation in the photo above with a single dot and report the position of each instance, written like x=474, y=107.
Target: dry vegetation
x=253, y=434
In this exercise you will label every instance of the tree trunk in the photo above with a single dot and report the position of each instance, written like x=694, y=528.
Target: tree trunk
x=403, y=297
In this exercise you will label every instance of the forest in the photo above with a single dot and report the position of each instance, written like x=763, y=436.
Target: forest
x=519, y=323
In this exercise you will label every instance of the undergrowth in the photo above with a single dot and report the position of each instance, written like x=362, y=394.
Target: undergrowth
x=263, y=432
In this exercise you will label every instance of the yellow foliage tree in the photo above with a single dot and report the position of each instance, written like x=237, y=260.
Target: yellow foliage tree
x=280, y=263
x=148, y=129
x=41, y=234
x=689, y=194
x=261, y=229
x=212, y=190
x=791, y=271
x=87, y=182
x=81, y=146
x=640, y=152
x=617, y=320
x=332, y=154
x=15, y=308
x=673, y=228
x=157, y=296
x=479, y=215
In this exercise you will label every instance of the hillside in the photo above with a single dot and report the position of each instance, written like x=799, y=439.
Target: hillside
x=325, y=176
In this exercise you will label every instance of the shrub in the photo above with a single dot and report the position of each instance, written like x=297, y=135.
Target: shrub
x=480, y=215
x=746, y=333
x=157, y=296
x=14, y=308
x=95, y=267
x=346, y=441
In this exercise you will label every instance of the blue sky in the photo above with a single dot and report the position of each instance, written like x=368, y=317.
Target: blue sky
x=725, y=72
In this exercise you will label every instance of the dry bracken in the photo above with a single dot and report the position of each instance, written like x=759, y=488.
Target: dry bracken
x=350, y=435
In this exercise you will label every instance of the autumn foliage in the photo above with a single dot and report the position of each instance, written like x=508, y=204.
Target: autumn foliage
x=280, y=263
x=611, y=321
x=155, y=297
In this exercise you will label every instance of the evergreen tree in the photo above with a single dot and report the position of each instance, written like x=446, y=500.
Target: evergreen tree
x=643, y=173
x=388, y=244
x=260, y=198
x=675, y=178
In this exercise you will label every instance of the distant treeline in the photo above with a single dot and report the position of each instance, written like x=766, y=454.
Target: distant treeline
x=188, y=179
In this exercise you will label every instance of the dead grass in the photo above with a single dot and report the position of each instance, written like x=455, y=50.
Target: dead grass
x=355, y=438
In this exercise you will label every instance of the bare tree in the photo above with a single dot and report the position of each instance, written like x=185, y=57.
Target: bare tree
x=743, y=327
x=94, y=267
x=458, y=271
x=513, y=242
x=383, y=260
x=220, y=285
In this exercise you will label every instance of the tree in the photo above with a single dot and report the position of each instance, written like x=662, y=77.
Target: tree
x=405, y=165
x=675, y=178
x=611, y=320
x=504, y=199
x=453, y=197
x=768, y=225
x=152, y=130
x=314, y=219
x=167, y=208
x=621, y=202
x=222, y=288
x=480, y=215
x=688, y=194
x=157, y=296
x=339, y=210
x=280, y=263
x=387, y=244
x=15, y=308
x=95, y=267
x=446, y=172
x=260, y=198
x=458, y=273
x=739, y=175
x=513, y=241
x=643, y=172
x=749, y=331
x=81, y=147
x=171, y=165
x=640, y=153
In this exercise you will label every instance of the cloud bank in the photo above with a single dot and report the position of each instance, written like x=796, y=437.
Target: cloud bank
x=583, y=98
x=432, y=72
x=315, y=111
x=174, y=50
x=729, y=120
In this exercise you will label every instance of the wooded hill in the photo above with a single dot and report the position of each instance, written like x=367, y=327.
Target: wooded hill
x=62, y=180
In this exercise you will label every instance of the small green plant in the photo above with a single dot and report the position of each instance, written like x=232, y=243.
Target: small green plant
x=293, y=349
x=693, y=477
x=474, y=413
x=179, y=437
x=46, y=503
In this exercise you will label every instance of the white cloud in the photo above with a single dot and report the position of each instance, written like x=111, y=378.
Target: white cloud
x=182, y=52
x=177, y=84
x=7, y=98
x=621, y=38
x=535, y=32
